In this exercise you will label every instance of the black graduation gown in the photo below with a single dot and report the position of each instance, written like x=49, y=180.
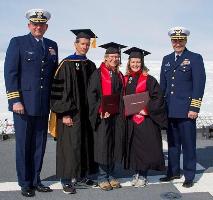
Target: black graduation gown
x=109, y=132
x=74, y=154
x=144, y=141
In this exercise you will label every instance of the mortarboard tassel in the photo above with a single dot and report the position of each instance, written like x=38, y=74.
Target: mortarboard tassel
x=93, y=43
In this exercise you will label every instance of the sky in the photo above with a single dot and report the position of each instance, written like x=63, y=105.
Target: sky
x=138, y=23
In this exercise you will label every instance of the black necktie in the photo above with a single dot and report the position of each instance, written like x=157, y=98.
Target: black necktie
x=177, y=58
x=41, y=47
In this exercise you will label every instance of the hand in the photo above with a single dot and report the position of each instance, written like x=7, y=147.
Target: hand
x=192, y=115
x=18, y=108
x=106, y=115
x=67, y=120
x=142, y=112
x=139, y=115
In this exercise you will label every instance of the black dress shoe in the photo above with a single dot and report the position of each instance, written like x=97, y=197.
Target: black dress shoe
x=43, y=188
x=27, y=192
x=188, y=184
x=169, y=178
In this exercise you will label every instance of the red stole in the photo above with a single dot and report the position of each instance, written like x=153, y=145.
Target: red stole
x=106, y=81
x=141, y=87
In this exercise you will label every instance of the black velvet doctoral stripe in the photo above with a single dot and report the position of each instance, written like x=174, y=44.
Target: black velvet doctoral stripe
x=57, y=89
x=58, y=81
x=56, y=97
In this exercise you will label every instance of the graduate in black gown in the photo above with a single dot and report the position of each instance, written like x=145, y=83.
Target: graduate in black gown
x=108, y=128
x=143, y=139
x=74, y=155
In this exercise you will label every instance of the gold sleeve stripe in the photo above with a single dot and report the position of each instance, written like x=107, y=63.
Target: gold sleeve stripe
x=12, y=93
x=195, y=106
x=17, y=94
x=194, y=102
x=198, y=100
x=8, y=93
x=13, y=97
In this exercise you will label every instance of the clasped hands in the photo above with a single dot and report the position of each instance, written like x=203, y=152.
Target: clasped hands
x=141, y=113
x=67, y=120
x=105, y=115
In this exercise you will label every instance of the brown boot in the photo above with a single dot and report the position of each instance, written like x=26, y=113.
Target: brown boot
x=115, y=184
x=105, y=186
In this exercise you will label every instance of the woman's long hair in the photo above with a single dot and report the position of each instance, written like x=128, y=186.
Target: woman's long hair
x=143, y=67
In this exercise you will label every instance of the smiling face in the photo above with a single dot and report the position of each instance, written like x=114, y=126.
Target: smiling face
x=112, y=60
x=135, y=64
x=37, y=29
x=179, y=45
x=82, y=46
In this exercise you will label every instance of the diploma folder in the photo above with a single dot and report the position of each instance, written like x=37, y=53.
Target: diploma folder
x=110, y=103
x=134, y=103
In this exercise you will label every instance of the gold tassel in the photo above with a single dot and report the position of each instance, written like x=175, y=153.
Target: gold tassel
x=53, y=124
x=93, y=43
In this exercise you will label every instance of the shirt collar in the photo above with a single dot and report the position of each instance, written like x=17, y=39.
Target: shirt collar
x=39, y=39
x=178, y=54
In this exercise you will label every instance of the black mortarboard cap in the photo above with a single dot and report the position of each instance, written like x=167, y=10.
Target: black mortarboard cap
x=84, y=33
x=135, y=52
x=112, y=47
